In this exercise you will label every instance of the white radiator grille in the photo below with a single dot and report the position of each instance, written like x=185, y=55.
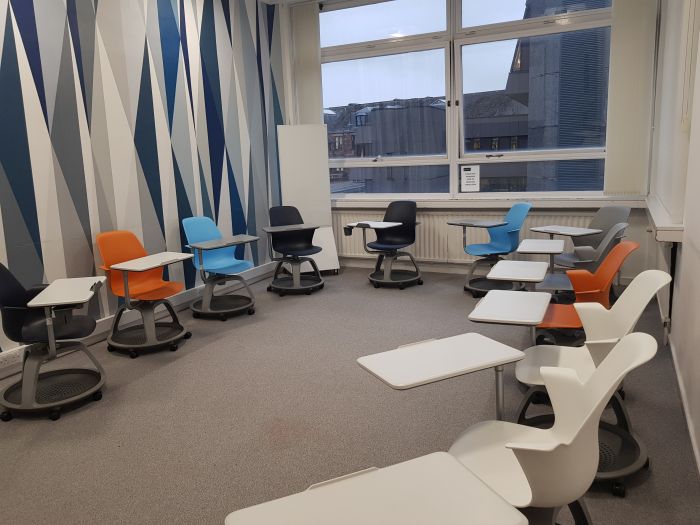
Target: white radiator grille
x=438, y=242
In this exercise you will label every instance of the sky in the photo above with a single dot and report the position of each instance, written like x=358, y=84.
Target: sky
x=412, y=75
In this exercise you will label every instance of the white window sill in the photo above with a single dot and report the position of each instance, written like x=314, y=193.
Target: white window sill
x=666, y=229
x=492, y=201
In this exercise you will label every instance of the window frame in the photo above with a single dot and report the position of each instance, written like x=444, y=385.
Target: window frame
x=452, y=40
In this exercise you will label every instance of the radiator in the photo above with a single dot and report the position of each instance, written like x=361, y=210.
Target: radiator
x=438, y=242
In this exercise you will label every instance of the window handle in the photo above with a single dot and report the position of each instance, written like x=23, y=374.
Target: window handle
x=490, y=156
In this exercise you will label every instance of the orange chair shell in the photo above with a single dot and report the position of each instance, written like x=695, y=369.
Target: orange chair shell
x=589, y=288
x=119, y=246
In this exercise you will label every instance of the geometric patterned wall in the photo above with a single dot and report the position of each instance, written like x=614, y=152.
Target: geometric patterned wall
x=133, y=114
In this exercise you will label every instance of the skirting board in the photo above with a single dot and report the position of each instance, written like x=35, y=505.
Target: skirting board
x=11, y=360
x=686, y=410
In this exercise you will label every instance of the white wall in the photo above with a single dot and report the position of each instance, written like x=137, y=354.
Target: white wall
x=306, y=61
x=685, y=331
x=630, y=96
x=673, y=103
x=675, y=185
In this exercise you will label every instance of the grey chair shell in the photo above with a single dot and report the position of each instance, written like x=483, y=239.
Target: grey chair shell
x=589, y=257
x=604, y=219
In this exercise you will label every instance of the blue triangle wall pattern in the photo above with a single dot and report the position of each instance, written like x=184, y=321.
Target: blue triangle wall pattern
x=133, y=115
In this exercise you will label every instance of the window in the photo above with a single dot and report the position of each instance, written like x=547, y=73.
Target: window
x=383, y=20
x=390, y=106
x=479, y=13
x=541, y=176
x=550, y=90
x=518, y=88
x=395, y=179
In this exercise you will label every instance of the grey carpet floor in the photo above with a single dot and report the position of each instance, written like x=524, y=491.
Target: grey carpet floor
x=260, y=407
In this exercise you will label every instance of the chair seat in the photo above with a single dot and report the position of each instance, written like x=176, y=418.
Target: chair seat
x=302, y=253
x=34, y=329
x=481, y=448
x=227, y=267
x=567, y=259
x=562, y=316
x=527, y=370
x=384, y=247
x=150, y=291
x=481, y=250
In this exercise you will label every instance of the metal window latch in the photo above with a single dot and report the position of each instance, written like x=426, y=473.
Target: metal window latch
x=497, y=155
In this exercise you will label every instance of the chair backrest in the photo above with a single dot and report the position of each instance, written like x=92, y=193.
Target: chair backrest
x=592, y=257
x=507, y=237
x=12, y=295
x=598, y=285
x=405, y=213
x=604, y=219
x=202, y=229
x=284, y=241
x=119, y=246
x=561, y=466
x=604, y=327
x=613, y=236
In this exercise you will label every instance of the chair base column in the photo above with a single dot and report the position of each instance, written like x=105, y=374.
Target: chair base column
x=38, y=392
x=480, y=286
x=225, y=305
x=297, y=282
x=396, y=278
x=149, y=334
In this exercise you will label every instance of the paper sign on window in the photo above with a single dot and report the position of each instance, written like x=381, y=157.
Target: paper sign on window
x=469, y=180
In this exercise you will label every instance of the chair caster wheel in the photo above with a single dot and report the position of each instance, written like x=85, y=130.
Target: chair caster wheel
x=282, y=294
x=133, y=354
x=324, y=284
x=222, y=317
x=402, y=287
x=173, y=348
x=376, y=285
x=477, y=295
x=308, y=292
x=420, y=282
x=251, y=311
x=6, y=416
x=618, y=489
x=196, y=315
x=55, y=414
x=269, y=288
x=187, y=335
x=110, y=348
x=96, y=396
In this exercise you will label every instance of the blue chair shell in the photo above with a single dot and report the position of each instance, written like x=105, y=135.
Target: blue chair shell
x=503, y=239
x=222, y=261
